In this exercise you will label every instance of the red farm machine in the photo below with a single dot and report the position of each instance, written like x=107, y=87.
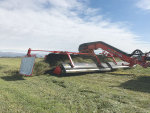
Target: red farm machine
x=128, y=60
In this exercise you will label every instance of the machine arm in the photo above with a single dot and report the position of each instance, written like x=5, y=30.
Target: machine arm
x=137, y=56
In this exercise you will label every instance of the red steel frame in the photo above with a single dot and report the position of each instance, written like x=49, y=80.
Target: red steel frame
x=107, y=51
x=66, y=53
x=112, y=53
x=58, y=69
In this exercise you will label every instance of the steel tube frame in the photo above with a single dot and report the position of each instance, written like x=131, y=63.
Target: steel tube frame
x=66, y=53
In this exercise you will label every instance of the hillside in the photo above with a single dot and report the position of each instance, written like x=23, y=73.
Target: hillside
x=124, y=91
x=13, y=54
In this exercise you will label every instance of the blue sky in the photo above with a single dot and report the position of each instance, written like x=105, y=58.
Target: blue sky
x=126, y=11
x=65, y=24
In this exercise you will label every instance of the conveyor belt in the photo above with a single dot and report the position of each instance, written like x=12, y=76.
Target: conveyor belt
x=92, y=43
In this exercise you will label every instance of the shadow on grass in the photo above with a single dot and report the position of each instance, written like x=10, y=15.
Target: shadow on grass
x=122, y=74
x=141, y=84
x=14, y=76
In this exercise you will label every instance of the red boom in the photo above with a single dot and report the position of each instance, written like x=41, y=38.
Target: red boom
x=140, y=58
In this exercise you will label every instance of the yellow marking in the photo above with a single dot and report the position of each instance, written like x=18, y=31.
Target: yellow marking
x=66, y=65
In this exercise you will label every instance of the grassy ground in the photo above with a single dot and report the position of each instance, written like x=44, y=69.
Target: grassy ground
x=122, y=91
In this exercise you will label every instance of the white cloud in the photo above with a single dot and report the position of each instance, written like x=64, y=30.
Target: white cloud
x=144, y=4
x=55, y=25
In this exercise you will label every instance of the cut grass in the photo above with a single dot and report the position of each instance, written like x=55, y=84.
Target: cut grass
x=119, y=91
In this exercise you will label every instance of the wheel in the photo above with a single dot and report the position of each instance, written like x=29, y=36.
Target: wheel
x=137, y=54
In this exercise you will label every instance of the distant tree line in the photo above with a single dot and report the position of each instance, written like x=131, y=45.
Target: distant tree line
x=10, y=57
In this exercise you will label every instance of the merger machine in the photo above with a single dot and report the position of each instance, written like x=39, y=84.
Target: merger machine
x=87, y=49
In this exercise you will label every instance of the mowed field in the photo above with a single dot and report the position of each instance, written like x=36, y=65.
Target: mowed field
x=121, y=91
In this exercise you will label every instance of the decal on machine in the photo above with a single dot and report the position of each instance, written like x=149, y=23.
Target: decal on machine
x=115, y=53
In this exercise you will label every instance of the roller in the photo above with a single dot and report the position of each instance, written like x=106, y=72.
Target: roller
x=120, y=64
x=84, y=67
x=92, y=67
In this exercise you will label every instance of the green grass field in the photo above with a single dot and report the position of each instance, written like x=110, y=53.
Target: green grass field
x=121, y=91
